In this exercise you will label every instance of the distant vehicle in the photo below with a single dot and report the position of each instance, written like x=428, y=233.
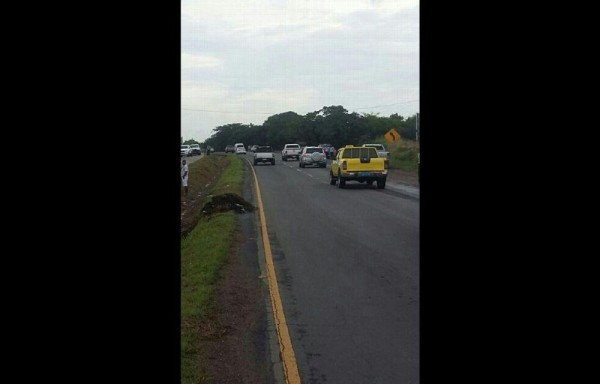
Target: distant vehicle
x=239, y=148
x=380, y=149
x=186, y=150
x=230, y=148
x=312, y=156
x=329, y=150
x=253, y=148
x=196, y=149
x=290, y=150
x=264, y=154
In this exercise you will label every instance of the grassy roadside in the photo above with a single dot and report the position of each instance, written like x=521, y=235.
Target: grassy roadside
x=204, y=251
x=403, y=153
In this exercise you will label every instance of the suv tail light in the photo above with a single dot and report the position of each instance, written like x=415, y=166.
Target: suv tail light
x=385, y=163
x=344, y=165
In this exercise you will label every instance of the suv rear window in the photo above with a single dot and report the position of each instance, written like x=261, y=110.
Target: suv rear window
x=264, y=149
x=311, y=150
x=293, y=146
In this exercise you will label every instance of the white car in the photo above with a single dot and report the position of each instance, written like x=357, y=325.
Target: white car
x=186, y=150
x=196, y=149
x=239, y=148
x=290, y=150
x=380, y=149
x=312, y=156
x=264, y=154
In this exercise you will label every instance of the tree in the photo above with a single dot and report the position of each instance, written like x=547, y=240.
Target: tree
x=282, y=128
x=190, y=141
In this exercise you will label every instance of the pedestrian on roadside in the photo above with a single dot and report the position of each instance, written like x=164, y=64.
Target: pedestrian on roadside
x=184, y=176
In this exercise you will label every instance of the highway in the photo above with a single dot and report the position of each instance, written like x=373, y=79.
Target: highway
x=347, y=263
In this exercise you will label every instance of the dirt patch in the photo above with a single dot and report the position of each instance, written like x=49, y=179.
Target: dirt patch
x=403, y=177
x=232, y=346
x=232, y=355
x=227, y=202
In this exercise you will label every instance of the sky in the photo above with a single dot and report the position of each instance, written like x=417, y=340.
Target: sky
x=245, y=60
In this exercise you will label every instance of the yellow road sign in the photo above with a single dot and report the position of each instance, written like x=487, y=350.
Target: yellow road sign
x=392, y=135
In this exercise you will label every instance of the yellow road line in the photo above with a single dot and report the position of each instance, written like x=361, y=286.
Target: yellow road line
x=290, y=367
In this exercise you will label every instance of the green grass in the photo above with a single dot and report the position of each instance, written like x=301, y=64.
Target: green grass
x=403, y=153
x=231, y=180
x=204, y=251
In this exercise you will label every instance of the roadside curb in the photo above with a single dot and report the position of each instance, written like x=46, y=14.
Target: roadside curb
x=406, y=189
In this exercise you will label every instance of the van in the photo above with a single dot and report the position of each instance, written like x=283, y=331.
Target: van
x=239, y=148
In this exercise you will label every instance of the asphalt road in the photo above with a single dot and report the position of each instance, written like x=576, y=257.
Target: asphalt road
x=347, y=262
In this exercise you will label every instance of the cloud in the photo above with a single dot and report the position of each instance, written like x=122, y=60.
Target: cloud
x=191, y=61
x=274, y=56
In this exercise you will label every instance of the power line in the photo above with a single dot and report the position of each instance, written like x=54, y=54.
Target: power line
x=243, y=113
x=274, y=113
x=389, y=105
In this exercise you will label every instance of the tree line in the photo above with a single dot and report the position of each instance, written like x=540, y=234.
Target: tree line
x=329, y=125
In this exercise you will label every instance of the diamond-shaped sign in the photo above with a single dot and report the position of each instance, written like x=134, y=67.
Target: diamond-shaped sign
x=392, y=135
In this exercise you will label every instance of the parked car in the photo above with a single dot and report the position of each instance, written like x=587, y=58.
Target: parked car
x=264, y=154
x=239, y=148
x=196, y=149
x=312, y=156
x=230, y=148
x=186, y=150
x=253, y=148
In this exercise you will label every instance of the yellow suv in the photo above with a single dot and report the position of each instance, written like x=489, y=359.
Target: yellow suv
x=361, y=164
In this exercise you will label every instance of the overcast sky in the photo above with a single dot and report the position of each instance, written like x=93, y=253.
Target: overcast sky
x=245, y=60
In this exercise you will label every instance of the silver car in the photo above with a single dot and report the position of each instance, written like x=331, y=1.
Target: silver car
x=312, y=156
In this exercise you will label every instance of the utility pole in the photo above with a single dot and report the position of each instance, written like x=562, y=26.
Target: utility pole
x=417, y=126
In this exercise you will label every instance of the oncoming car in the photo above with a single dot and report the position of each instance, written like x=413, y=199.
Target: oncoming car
x=312, y=156
x=186, y=150
x=196, y=149
x=230, y=148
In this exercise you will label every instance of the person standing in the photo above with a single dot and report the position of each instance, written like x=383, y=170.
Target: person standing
x=184, y=176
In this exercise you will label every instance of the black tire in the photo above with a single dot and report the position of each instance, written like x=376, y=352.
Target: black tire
x=342, y=181
x=369, y=182
x=255, y=162
x=284, y=158
x=332, y=180
x=380, y=183
x=273, y=162
x=323, y=166
x=300, y=165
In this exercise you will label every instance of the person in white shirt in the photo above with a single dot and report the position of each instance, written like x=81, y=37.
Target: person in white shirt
x=184, y=176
